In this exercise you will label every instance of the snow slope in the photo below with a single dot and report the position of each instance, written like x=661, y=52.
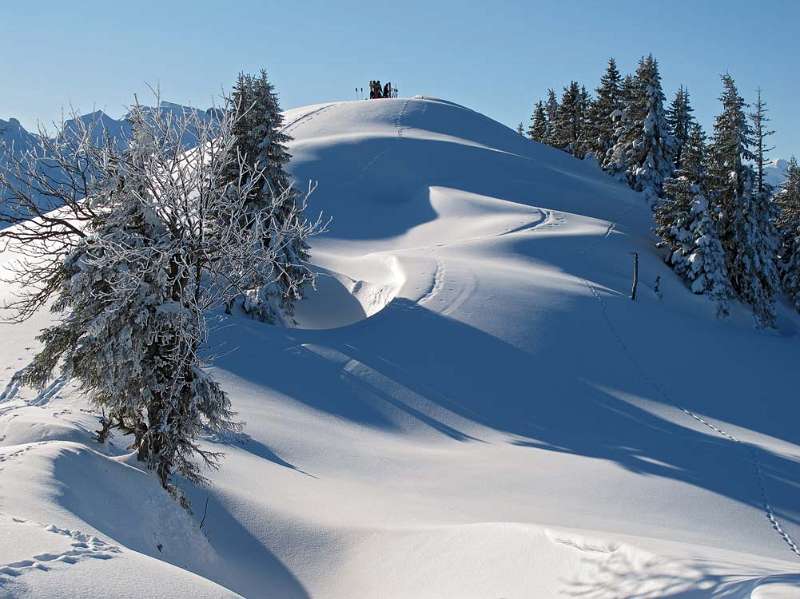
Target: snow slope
x=471, y=407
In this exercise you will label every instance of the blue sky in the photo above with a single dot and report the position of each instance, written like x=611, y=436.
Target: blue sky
x=496, y=57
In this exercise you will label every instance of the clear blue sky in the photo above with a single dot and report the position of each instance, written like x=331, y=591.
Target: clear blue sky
x=496, y=57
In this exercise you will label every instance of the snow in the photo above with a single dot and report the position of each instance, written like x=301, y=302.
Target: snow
x=775, y=172
x=471, y=405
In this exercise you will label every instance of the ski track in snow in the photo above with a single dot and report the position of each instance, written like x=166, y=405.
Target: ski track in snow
x=305, y=117
x=436, y=284
x=466, y=281
x=752, y=450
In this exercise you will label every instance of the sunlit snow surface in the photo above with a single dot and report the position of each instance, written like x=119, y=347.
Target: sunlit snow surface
x=471, y=405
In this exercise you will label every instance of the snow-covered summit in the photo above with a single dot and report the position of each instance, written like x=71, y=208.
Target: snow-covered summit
x=471, y=406
x=775, y=171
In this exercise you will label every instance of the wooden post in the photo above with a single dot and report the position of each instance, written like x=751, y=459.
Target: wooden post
x=635, y=275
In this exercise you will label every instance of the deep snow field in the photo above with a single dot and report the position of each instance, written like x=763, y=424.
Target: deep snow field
x=472, y=406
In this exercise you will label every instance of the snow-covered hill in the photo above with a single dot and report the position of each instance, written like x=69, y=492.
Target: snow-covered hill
x=473, y=406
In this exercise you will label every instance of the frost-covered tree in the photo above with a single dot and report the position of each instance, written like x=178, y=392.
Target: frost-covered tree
x=746, y=216
x=159, y=237
x=262, y=144
x=687, y=226
x=679, y=119
x=606, y=106
x=538, y=128
x=642, y=151
x=521, y=129
x=759, y=120
x=787, y=201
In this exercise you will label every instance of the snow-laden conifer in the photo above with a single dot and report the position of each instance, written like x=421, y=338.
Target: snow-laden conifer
x=262, y=144
x=787, y=202
x=643, y=146
x=687, y=227
x=160, y=237
x=747, y=227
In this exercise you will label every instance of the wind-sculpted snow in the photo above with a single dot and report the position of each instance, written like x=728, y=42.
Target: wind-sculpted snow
x=470, y=406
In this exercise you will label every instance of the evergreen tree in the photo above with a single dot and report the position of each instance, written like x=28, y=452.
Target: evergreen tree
x=787, y=201
x=241, y=103
x=538, y=129
x=262, y=144
x=601, y=115
x=521, y=129
x=759, y=120
x=643, y=145
x=693, y=156
x=615, y=160
x=687, y=227
x=551, y=108
x=679, y=119
x=585, y=102
x=746, y=216
x=567, y=128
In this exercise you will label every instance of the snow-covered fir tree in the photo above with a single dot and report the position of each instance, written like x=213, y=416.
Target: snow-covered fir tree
x=747, y=227
x=521, y=129
x=600, y=117
x=787, y=201
x=759, y=120
x=538, y=128
x=687, y=227
x=262, y=144
x=643, y=147
x=680, y=119
x=614, y=161
x=162, y=236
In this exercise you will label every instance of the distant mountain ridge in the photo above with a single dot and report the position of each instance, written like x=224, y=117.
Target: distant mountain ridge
x=775, y=171
x=13, y=133
x=16, y=140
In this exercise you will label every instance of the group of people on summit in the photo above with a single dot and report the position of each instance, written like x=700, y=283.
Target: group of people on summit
x=376, y=91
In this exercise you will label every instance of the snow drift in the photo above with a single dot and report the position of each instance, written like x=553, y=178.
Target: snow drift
x=470, y=406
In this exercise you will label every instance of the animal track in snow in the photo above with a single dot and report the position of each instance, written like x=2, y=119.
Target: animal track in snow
x=82, y=546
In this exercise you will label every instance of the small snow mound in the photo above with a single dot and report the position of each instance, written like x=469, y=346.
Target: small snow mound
x=776, y=587
x=349, y=290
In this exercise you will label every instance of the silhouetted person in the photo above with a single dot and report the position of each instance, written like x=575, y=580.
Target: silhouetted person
x=387, y=90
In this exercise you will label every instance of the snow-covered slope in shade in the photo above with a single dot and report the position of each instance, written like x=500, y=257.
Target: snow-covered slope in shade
x=472, y=407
